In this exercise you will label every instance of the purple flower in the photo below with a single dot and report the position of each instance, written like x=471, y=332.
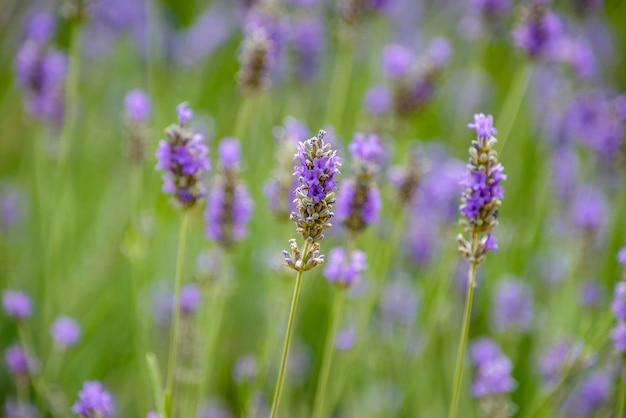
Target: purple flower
x=564, y=171
x=345, y=269
x=483, y=193
x=491, y=10
x=260, y=50
x=229, y=205
x=214, y=408
x=12, y=207
x=619, y=301
x=229, y=152
x=592, y=394
x=483, y=350
x=184, y=113
x=483, y=125
x=378, y=100
x=561, y=359
x=577, y=54
x=493, y=370
x=360, y=202
x=619, y=337
x=245, y=370
x=184, y=156
x=93, y=401
x=621, y=255
x=397, y=60
x=16, y=303
x=591, y=293
x=589, y=208
x=138, y=105
x=190, y=298
x=317, y=166
x=17, y=360
x=345, y=339
x=65, y=331
x=40, y=27
x=152, y=414
x=539, y=31
x=439, y=51
x=13, y=409
x=41, y=73
x=512, y=306
x=308, y=40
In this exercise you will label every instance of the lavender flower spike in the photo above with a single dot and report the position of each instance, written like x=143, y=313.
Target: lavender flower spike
x=360, y=202
x=65, y=331
x=482, y=197
x=184, y=157
x=345, y=269
x=315, y=197
x=93, y=401
x=229, y=205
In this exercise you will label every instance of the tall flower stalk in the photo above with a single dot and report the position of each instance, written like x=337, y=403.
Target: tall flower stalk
x=479, y=215
x=184, y=157
x=317, y=166
x=358, y=207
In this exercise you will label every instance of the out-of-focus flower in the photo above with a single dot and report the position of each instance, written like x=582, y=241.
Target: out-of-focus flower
x=65, y=331
x=229, y=204
x=190, y=298
x=539, y=30
x=563, y=359
x=246, y=369
x=591, y=293
x=378, y=100
x=589, y=209
x=94, y=401
x=512, y=306
x=184, y=157
x=13, y=409
x=345, y=339
x=138, y=105
x=345, y=269
x=398, y=303
x=16, y=303
x=308, y=41
x=18, y=361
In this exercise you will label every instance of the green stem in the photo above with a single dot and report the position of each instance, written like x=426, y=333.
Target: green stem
x=292, y=316
x=173, y=354
x=513, y=102
x=458, y=373
x=320, y=394
x=622, y=392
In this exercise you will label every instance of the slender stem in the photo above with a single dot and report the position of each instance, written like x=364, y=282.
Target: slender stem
x=320, y=394
x=339, y=85
x=292, y=316
x=171, y=365
x=513, y=102
x=458, y=373
x=622, y=391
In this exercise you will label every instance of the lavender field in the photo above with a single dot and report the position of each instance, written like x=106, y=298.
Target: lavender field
x=313, y=208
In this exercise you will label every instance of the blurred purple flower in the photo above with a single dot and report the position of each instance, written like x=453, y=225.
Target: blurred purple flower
x=93, y=401
x=65, y=331
x=40, y=27
x=245, y=370
x=621, y=255
x=589, y=209
x=229, y=204
x=211, y=29
x=564, y=171
x=619, y=301
x=18, y=362
x=563, y=358
x=378, y=100
x=591, y=395
x=138, y=105
x=214, y=408
x=493, y=370
x=439, y=51
x=512, y=306
x=190, y=298
x=619, y=337
x=16, y=303
x=308, y=40
x=577, y=54
x=345, y=270
x=345, y=339
x=539, y=30
x=591, y=293
x=397, y=60
x=482, y=350
x=13, y=409
x=184, y=157
x=12, y=206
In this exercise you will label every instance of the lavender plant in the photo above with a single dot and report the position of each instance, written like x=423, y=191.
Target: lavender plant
x=184, y=157
x=479, y=209
x=318, y=164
